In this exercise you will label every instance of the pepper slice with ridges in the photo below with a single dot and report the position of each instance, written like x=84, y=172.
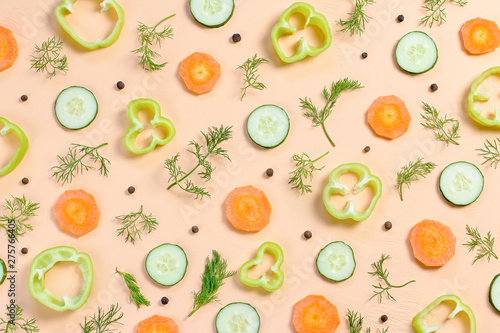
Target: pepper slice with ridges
x=8, y=128
x=277, y=277
x=475, y=96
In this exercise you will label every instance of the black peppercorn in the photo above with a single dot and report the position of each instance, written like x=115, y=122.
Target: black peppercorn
x=364, y=55
x=24, y=250
x=401, y=18
x=25, y=181
x=131, y=189
x=307, y=234
x=236, y=38
x=366, y=149
x=384, y=318
x=164, y=300
x=195, y=229
x=388, y=225
x=269, y=172
x=24, y=98
x=434, y=87
x=120, y=85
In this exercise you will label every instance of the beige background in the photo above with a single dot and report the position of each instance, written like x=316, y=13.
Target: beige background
x=33, y=22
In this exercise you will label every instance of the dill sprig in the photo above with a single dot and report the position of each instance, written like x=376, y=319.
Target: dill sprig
x=250, y=80
x=132, y=225
x=484, y=245
x=490, y=152
x=15, y=321
x=149, y=36
x=357, y=18
x=356, y=323
x=21, y=210
x=411, y=173
x=135, y=291
x=74, y=163
x=48, y=58
x=212, y=279
x=436, y=12
x=214, y=137
x=304, y=170
x=331, y=96
x=433, y=121
x=383, y=274
x=101, y=322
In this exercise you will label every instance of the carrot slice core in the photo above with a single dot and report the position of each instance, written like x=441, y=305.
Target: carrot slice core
x=389, y=117
x=315, y=314
x=77, y=212
x=248, y=209
x=433, y=243
x=200, y=72
x=480, y=35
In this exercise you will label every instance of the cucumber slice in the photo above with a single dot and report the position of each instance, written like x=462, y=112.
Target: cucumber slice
x=3, y=271
x=336, y=261
x=495, y=292
x=212, y=13
x=461, y=183
x=416, y=52
x=76, y=107
x=237, y=318
x=166, y=264
x=268, y=125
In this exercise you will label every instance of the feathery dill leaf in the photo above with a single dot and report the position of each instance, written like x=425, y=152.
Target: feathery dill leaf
x=383, y=274
x=132, y=225
x=490, y=152
x=355, y=320
x=411, y=173
x=21, y=210
x=250, y=80
x=12, y=324
x=48, y=58
x=135, y=291
x=436, y=12
x=304, y=170
x=101, y=322
x=484, y=245
x=433, y=121
x=357, y=18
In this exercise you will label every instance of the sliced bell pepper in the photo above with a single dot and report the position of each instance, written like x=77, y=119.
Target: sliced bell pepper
x=277, y=278
x=312, y=18
x=66, y=7
x=418, y=322
x=334, y=187
x=133, y=109
x=44, y=263
x=474, y=96
x=7, y=128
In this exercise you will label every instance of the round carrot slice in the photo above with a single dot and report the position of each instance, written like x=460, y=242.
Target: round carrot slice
x=389, y=117
x=76, y=212
x=8, y=48
x=433, y=243
x=480, y=35
x=248, y=209
x=200, y=72
x=315, y=314
x=157, y=324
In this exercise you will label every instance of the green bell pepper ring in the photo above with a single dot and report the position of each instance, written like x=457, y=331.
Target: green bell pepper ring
x=133, y=109
x=418, y=322
x=44, y=263
x=334, y=187
x=7, y=128
x=66, y=7
x=278, y=277
x=474, y=96
x=312, y=18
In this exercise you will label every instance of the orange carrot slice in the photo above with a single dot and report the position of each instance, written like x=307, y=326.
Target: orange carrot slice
x=248, y=209
x=8, y=48
x=315, y=314
x=480, y=35
x=433, y=243
x=76, y=212
x=389, y=117
x=157, y=324
x=200, y=72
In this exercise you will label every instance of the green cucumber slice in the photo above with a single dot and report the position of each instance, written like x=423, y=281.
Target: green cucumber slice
x=461, y=183
x=212, y=13
x=416, y=52
x=237, y=318
x=336, y=261
x=76, y=107
x=3, y=271
x=268, y=125
x=495, y=292
x=166, y=264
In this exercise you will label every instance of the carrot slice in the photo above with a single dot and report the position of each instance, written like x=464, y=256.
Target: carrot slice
x=389, y=117
x=200, y=72
x=433, y=243
x=8, y=48
x=157, y=324
x=315, y=314
x=76, y=212
x=248, y=209
x=480, y=35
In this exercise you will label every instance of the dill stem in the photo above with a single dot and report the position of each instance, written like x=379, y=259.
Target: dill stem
x=194, y=310
x=157, y=24
x=326, y=133
x=320, y=157
x=190, y=172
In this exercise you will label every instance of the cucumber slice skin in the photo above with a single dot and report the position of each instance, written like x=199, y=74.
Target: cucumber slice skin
x=151, y=255
x=219, y=318
x=399, y=50
x=494, y=294
x=3, y=271
x=326, y=273
x=443, y=184
x=193, y=4
x=76, y=127
x=281, y=113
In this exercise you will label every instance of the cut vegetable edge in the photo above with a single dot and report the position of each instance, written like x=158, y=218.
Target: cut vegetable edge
x=216, y=18
x=420, y=63
x=271, y=131
x=77, y=199
x=326, y=266
x=237, y=313
x=3, y=271
x=252, y=199
x=75, y=107
x=318, y=309
x=480, y=47
x=179, y=271
x=424, y=248
x=494, y=294
x=454, y=180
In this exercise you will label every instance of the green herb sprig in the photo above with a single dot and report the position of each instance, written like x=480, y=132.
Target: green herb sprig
x=383, y=274
x=135, y=292
x=250, y=80
x=134, y=224
x=149, y=36
x=356, y=323
x=484, y=245
x=213, y=139
x=490, y=152
x=436, y=13
x=304, y=170
x=17, y=322
x=74, y=162
x=331, y=96
x=21, y=210
x=101, y=322
x=357, y=18
x=48, y=58
x=411, y=173
x=212, y=279
x=438, y=124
